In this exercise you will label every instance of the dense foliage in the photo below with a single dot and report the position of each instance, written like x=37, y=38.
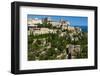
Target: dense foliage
x=52, y=46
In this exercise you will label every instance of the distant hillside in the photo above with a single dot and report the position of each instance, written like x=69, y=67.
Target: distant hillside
x=84, y=28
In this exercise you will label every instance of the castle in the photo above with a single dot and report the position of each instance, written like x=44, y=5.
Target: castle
x=33, y=27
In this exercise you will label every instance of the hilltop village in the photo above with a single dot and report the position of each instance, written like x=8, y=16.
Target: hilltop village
x=51, y=40
x=33, y=25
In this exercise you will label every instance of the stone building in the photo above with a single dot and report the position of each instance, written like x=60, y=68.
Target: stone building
x=72, y=51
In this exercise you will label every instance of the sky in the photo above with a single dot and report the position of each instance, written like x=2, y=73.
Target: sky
x=74, y=20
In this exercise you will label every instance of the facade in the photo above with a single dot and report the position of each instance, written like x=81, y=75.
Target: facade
x=37, y=31
x=33, y=22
